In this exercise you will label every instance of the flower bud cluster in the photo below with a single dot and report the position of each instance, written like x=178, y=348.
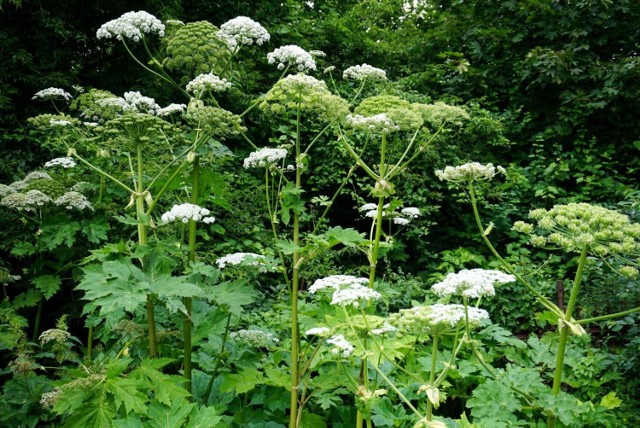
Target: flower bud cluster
x=292, y=55
x=436, y=318
x=572, y=227
x=364, y=72
x=131, y=25
x=207, y=82
x=378, y=123
x=132, y=101
x=54, y=335
x=243, y=31
x=30, y=201
x=255, y=338
x=187, y=212
x=471, y=283
x=73, y=200
x=472, y=171
x=264, y=157
x=52, y=94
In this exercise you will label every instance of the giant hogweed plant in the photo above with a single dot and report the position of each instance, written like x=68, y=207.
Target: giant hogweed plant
x=584, y=230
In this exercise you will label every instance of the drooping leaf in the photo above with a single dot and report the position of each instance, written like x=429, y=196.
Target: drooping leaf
x=48, y=285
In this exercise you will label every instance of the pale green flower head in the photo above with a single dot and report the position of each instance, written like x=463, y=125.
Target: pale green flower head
x=364, y=325
x=439, y=318
x=195, y=49
x=397, y=110
x=90, y=108
x=438, y=113
x=137, y=128
x=472, y=171
x=573, y=227
x=215, y=121
x=48, y=121
x=308, y=94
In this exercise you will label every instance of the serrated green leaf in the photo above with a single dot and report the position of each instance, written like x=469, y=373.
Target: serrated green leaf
x=204, y=417
x=57, y=233
x=233, y=294
x=166, y=388
x=492, y=399
x=23, y=249
x=125, y=392
x=242, y=382
x=48, y=285
x=311, y=420
x=96, y=232
x=95, y=417
x=610, y=401
x=114, y=285
x=169, y=416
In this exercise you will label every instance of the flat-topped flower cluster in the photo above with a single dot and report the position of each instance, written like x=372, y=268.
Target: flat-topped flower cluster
x=243, y=31
x=131, y=25
x=471, y=283
x=472, y=171
x=292, y=55
x=187, y=212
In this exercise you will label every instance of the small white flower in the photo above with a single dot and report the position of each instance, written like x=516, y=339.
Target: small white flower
x=318, y=331
x=292, y=55
x=353, y=295
x=73, y=200
x=63, y=162
x=386, y=328
x=243, y=31
x=255, y=338
x=412, y=212
x=52, y=94
x=341, y=346
x=207, y=82
x=363, y=72
x=61, y=123
x=336, y=282
x=264, y=156
x=187, y=212
x=471, y=283
x=131, y=25
x=368, y=207
x=171, y=108
x=251, y=259
x=401, y=221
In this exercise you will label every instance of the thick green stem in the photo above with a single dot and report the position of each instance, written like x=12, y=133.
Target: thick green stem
x=188, y=301
x=375, y=245
x=142, y=240
x=295, y=336
x=36, y=324
x=608, y=317
x=432, y=374
x=564, y=331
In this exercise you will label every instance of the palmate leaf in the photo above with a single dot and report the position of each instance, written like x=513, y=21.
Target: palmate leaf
x=112, y=286
x=204, y=417
x=494, y=399
x=125, y=392
x=242, y=382
x=233, y=295
x=169, y=416
x=96, y=417
x=171, y=289
x=166, y=388
x=60, y=231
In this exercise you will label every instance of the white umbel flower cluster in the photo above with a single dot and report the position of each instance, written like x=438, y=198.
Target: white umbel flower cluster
x=52, y=94
x=187, y=212
x=433, y=318
x=252, y=259
x=131, y=25
x=364, y=72
x=63, y=162
x=207, y=82
x=264, y=157
x=472, y=171
x=318, y=331
x=73, y=201
x=243, y=31
x=353, y=295
x=132, y=101
x=336, y=282
x=292, y=55
x=471, y=283
x=171, y=109
x=401, y=218
x=378, y=123
x=30, y=201
x=54, y=335
x=341, y=346
x=255, y=338
x=58, y=122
